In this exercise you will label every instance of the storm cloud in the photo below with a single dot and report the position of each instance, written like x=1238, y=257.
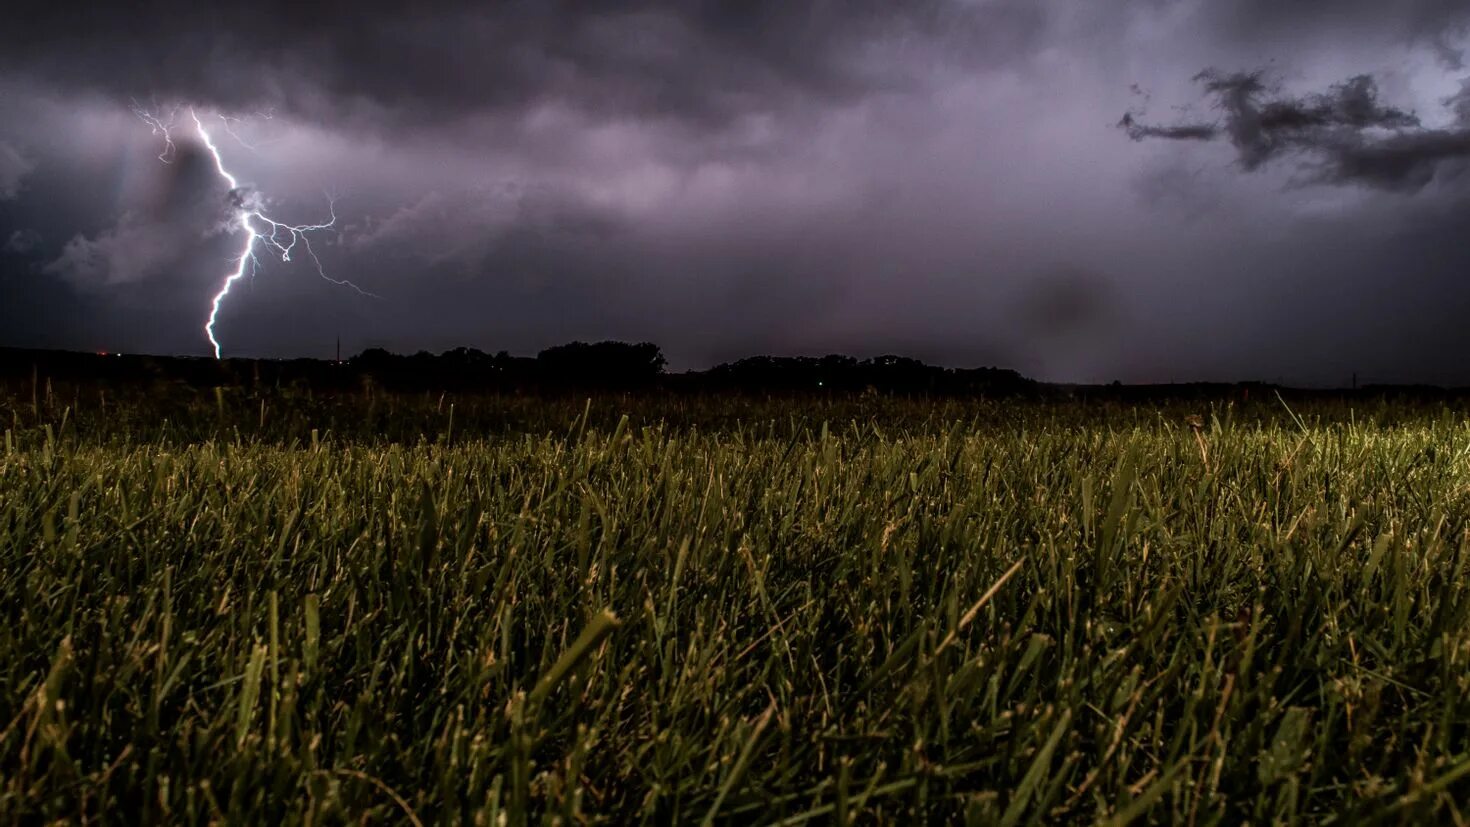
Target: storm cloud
x=1344, y=135
x=703, y=64
x=939, y=178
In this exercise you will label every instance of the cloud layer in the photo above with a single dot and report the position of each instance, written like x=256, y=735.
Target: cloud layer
x=938, y=178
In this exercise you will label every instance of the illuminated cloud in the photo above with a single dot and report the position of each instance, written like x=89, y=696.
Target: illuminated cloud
x=940, y=178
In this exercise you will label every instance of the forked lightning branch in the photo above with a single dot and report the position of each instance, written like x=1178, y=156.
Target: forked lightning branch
x=249, y=218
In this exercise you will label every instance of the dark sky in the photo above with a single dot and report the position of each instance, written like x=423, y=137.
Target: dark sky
x=1146, y=190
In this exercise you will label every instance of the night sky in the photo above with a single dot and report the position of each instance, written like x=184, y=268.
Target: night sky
x=1143, y=190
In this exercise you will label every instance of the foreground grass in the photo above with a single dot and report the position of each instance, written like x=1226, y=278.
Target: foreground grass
x=1024, y=615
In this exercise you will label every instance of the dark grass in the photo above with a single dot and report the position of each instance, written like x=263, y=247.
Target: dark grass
x=317, y=608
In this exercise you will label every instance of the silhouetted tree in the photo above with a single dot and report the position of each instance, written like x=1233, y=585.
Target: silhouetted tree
x=602, y=364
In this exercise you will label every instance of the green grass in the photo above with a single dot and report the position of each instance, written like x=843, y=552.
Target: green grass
x=671, y=610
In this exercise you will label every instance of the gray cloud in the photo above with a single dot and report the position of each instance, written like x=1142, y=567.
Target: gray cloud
x=1411, y=20
x=466, y=231
x=1344, y=135
x=22, y=241
x=1180, y=132
x=1450, y=56
x=13, y=168
x=132, y=250
x=704, y=64
x=157, y=234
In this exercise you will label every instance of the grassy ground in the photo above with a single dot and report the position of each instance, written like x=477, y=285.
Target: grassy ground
x=431, y=610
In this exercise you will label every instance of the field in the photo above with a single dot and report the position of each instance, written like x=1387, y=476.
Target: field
x=295, y=608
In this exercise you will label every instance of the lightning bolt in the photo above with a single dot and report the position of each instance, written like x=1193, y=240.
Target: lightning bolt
x=260, y=230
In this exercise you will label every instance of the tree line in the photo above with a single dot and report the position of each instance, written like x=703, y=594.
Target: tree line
x=593, y=366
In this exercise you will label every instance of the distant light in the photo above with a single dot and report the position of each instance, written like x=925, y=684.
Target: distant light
x=819, y=383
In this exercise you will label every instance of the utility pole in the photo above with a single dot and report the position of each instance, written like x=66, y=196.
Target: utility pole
x=339, y=349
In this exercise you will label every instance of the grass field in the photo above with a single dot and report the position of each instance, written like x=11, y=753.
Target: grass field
x=428, y=610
